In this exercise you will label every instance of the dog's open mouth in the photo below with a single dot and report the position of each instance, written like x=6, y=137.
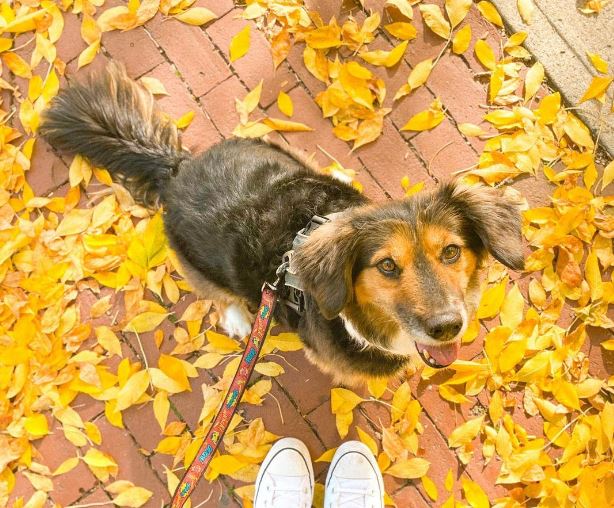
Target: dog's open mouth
x=438, y=356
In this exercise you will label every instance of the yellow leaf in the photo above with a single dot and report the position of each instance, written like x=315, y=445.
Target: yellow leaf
x=90, y=31
x=93, y=433
x=108, y=340
x=153, y=86
x=466, y=432
x=285, y=342
x=368, y=440
x=169, y=445
x=420, y=73
x=96, y=458
x=485, y=54
x=343, y=400
x=133, y=497
x=161, y=407
x=409, y=468
x=578, y=132
x=549, y=108
x=430, y=488
x=74, y=222
x=404, y=7
x=324, y=37
x=449, y=481
x=608, y=175
x=470, y=129
x=426, y=120
x=526, y=8
x=449, y=393
x=226, y=464
x=461, y=40
x=284, y=103
x=566, y=393
x=533, y=80
x=598, y=63
x=489, y=11
x=239, y=45
x=145, y=322
x=269, y=369
x=36, y=426
x=177, y=370
x=133, y=390
x=196, y=16
x=377, y=386
x=327, y=456
x=474, y=494
x=593, y=276
x=401, y=30
x=492, y=299
x=66, y=466
x=512, y=310
x=185, y=120
x=17, y=65
x=457, y=10
x=343, y=422
x=88, y=54
x=385, y=58
x=434, y=19
x=597, y=88
x=279, y=124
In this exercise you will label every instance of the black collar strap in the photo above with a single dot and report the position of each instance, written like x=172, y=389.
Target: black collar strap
x=292, y=295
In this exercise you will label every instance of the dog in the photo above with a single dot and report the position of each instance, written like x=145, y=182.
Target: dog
x=382, y=281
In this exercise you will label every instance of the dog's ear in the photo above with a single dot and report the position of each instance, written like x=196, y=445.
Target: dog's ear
x=494, y=218
x=324, y=264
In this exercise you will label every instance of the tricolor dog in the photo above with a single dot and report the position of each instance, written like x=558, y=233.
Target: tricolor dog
x=381, y=282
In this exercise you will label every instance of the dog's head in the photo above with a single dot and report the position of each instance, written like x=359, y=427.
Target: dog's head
x=406, y=274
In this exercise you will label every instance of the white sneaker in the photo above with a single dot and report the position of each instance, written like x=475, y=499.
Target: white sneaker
x=354, y=479
x=285, y=478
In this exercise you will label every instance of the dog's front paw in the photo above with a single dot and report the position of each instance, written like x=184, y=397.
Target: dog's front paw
x=236, y=321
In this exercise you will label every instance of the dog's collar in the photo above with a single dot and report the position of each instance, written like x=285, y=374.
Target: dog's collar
x=293, y=294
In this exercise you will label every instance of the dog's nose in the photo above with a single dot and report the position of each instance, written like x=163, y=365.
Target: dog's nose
x=444, y=326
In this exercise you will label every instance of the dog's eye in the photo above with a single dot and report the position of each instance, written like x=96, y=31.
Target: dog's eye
x=387, y=267
x=450, y=253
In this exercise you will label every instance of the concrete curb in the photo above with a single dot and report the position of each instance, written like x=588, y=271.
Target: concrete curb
x=559, y=37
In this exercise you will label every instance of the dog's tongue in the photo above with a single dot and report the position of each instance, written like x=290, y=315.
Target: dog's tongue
x=444, y=355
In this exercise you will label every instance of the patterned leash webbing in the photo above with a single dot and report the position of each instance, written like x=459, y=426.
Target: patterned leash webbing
x=216, y=432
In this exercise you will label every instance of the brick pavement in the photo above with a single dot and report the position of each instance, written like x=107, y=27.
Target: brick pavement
x=193, y=64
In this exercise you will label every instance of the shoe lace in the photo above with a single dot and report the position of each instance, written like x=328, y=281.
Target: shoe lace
x=354, y=493
x=289, y=489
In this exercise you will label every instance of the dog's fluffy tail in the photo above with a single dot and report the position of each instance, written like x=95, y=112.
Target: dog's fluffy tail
x=115, y=123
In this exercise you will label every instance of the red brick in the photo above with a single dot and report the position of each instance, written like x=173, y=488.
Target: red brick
x=55, y=449
x=132, y=464
x=218, y=7
x=409, y=497
x=47, y=171
x=307, y=386
x=452, y=81
x=201, y=133
x=325, y=8
x=202, y=66
x=70, y=43
x=220, y=104
x=390, y=158
x=134, y=49
x=444, y=150
x=97, y=495
x=257, y=64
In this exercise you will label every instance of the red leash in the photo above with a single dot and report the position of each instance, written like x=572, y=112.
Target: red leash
x=231, y=402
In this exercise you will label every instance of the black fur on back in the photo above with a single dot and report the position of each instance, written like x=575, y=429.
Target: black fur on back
x=115, y=123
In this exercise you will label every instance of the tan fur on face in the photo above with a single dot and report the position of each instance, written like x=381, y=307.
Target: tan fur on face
x=376, y=296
